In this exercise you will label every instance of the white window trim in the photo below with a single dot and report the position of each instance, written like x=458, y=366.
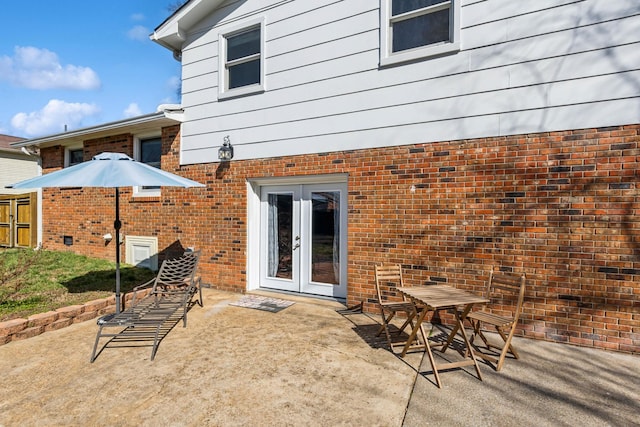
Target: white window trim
x=225, y=33
x=139, y=191
x=67, y=155
x=423, y=52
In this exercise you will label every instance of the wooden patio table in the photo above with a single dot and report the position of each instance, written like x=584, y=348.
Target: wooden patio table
x=437, y=297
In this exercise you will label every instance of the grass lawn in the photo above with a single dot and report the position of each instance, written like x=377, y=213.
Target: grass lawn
x=48, y=280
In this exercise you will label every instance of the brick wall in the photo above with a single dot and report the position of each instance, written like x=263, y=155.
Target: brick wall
x=562, y=207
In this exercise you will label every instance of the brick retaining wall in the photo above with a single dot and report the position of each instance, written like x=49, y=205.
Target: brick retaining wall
x=19, y=329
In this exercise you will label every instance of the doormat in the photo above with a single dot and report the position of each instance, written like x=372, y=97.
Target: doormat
x=258, y=302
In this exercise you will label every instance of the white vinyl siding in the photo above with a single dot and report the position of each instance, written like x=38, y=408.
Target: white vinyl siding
x=16, y=167
x=522, y=67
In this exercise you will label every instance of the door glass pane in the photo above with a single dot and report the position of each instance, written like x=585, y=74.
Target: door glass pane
x=280, y=236
x=325, y=237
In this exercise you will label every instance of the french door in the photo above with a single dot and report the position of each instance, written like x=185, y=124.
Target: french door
x=303, y=238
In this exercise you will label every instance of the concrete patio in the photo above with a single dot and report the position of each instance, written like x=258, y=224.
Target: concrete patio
x=308, y=365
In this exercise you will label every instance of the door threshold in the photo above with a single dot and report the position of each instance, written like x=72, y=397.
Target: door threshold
x=293, y=296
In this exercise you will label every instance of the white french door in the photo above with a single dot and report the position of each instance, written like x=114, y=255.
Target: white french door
x=303, y=238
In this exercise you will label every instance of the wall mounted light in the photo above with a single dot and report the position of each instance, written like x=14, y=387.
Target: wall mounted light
x=225, y=153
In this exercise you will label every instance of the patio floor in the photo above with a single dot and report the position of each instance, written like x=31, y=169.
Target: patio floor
x=305, y=365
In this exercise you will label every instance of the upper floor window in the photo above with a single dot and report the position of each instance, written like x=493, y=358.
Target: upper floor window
x=242, y=61
x=415, y=29
x=149, y=151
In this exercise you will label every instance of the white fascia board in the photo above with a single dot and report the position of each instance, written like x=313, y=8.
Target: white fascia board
x=172, y=32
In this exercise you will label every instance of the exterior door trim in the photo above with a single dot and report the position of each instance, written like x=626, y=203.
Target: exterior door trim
x=253, y=216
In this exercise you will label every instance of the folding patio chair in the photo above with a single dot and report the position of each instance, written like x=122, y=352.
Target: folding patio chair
x=389, y=277
x=505, y=292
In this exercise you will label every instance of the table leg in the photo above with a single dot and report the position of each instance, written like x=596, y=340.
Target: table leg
x=434, y=366
x=460, y=326
x=414, y=332
x=418, y=326
x=457, y=326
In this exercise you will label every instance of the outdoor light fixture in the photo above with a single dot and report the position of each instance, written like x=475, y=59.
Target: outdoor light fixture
x=225, y=153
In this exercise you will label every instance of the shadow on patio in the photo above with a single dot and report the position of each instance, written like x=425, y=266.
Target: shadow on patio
x=305, y=365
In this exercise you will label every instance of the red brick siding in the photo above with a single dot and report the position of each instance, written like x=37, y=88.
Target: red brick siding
x=562, y=207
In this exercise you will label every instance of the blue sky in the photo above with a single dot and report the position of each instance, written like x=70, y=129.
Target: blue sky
x=81, y=63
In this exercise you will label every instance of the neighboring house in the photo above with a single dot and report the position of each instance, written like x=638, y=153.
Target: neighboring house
x=18, y=209
x=449, y=136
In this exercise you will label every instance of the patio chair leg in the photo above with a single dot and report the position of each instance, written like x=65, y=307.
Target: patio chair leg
x=155, y=342
x=385, y=322
x=95, y=345
x=507, y=339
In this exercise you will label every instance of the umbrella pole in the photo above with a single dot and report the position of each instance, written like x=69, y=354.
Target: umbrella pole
x=116, y=225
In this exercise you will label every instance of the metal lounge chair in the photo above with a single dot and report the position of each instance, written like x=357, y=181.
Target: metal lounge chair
x=167, y=299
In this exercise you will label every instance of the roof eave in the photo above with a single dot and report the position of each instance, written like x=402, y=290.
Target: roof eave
x=18, y=153
x=171, y=34
x=133, y=125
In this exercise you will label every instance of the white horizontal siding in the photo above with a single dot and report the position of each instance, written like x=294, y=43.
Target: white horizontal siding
x=14, y=169
x=523, y=67
x=295, y=123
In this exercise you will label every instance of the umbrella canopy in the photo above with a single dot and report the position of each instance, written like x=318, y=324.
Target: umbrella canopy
x=109, y=170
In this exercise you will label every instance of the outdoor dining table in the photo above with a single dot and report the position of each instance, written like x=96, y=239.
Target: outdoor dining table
x=432, y=299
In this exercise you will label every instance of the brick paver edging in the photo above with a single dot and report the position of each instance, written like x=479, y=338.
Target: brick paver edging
x=19, y=329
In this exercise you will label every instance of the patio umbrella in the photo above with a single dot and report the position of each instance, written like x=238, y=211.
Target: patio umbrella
x=110, y=170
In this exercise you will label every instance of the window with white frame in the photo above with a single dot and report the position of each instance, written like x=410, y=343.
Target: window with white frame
x=148, y=150
x=242, y=60
x=73, y=156
x=416, y=29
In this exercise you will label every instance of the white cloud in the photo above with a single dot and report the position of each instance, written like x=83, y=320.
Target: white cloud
x=35, y=68
x=53, y=118
x=132, y=110
x=137, y=17
x=139, y=32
